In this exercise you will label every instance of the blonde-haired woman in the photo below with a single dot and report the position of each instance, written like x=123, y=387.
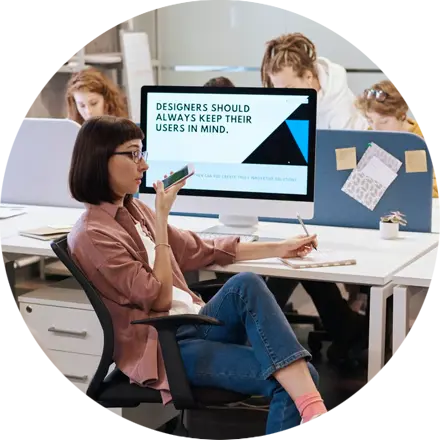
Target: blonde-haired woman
x=91, y=93
x=386, y=110
x=290, y=61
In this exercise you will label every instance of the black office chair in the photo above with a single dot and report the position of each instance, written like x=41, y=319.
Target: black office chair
x=114, y=390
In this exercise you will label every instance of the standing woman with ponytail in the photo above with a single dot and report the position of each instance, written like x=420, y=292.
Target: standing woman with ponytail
x=290, y=61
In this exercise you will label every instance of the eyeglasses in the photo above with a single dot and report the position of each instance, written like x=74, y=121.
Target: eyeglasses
x=136, y=155
x=379, y=95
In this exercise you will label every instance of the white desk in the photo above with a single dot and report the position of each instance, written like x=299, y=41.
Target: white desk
x=34, y=216
x=377, y=260
x=417, y=274
x=37, y=216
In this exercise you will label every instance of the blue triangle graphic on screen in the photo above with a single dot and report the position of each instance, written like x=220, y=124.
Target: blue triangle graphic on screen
x=300, y=132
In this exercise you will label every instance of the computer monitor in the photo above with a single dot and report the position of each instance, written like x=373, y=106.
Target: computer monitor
x=253, y=150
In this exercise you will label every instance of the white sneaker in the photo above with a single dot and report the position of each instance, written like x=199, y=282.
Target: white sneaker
x=321, y=427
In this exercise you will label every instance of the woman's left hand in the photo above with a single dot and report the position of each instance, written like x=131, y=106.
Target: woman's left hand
x=299, y=246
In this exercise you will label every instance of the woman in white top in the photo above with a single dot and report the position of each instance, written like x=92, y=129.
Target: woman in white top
x=290, y=61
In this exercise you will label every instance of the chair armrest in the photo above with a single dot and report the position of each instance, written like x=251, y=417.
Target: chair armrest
x=167, y=327
x=175, y=321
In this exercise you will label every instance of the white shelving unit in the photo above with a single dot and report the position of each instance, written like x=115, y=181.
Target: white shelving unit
x=68, y=64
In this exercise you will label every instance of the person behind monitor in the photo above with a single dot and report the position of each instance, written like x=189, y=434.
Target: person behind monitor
x=91, y=93
x=385, y=105
x=291, y=61
x=219, y=81
x=136, y=260
x=347, y=328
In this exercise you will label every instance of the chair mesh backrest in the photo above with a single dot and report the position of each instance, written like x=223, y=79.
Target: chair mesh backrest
x=61, y=251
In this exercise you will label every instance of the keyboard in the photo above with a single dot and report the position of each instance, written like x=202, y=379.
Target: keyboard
x=212, y=235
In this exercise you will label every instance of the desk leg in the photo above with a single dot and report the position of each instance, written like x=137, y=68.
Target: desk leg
x=376, y=344
x=10, y=272
x=399, y=401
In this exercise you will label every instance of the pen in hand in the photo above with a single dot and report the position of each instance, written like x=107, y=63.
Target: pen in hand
x=305, y=230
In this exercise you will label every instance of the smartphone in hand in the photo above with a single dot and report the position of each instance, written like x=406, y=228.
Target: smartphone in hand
x=178, y=176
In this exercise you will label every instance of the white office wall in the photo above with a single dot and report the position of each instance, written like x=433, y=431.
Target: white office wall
x=217, y=32
x=234, y=33
x=240, y=79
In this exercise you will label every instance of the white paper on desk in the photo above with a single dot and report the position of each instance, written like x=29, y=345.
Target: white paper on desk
x=319, y=259
x=379, y=172
x=363, y=187
x=10, y=212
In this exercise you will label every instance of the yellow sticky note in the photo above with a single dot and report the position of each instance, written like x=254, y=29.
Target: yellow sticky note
x=346, y=158
x=415, y=161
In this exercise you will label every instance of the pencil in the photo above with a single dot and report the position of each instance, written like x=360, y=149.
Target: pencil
x=305, y=229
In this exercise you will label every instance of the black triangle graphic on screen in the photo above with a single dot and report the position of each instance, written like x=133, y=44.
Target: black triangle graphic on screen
x=280, y=148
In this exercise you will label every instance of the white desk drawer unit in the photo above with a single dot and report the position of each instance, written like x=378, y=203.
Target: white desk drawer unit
x=69, y=327
x=63, y=328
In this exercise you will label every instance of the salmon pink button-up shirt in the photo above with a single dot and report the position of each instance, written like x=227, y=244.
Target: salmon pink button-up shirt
x=107, y=247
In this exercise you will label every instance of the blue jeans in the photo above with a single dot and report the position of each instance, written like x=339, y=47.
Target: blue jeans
x=220, y=357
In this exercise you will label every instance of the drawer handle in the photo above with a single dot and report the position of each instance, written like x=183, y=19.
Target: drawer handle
x=81, y=422
x=60, y=331
x=77, y=378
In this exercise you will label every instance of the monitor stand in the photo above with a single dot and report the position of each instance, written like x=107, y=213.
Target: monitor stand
x=235, y=225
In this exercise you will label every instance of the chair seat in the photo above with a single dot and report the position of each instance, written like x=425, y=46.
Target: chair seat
x=117, y=391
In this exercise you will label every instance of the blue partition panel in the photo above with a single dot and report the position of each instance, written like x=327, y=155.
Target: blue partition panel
x=410, y=193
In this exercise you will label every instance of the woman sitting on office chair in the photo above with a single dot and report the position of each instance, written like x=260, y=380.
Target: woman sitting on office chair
x=91, y=93
x=136, y=260
x=386, y=110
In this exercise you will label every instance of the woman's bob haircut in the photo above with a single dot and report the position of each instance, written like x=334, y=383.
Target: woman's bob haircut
x=96, y=142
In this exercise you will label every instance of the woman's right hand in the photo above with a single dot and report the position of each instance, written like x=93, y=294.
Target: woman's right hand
x=165, y=199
